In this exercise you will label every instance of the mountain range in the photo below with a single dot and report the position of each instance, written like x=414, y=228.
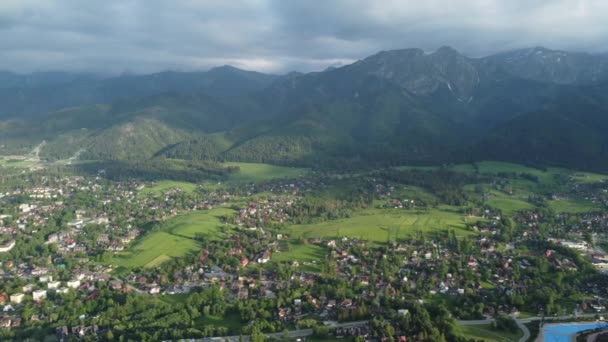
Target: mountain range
x=535, y=106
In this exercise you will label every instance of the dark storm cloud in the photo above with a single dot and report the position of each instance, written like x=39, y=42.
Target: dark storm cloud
x=278, y=35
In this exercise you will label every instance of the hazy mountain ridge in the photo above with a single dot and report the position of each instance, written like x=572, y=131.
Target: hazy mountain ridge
x=393, y=107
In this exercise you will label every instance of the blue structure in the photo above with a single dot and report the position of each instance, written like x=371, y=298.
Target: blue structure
x=565, y=332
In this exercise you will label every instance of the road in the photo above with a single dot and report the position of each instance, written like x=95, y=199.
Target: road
x=521, y=322
x=295, y=334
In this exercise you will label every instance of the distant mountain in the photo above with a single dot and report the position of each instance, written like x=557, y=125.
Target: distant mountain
x=39, y=94
x=403, y=106
x=549, y=66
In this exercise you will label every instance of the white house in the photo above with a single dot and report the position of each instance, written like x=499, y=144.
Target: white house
x=39, y=295
x=51, y=285
x=63, y=290
x=17, y=298
x=74, y=284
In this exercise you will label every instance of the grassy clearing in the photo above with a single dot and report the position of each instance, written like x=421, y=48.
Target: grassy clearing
x=588, y=177
x=16, y=163
x=199, y=222
x=153, y=249
x=494, y=167
x=175, y=239
x=307, y=255
x=485, y=333
x=158, y=260
x=162, y=186
x=571, y=205
x=230, y=321
x=255, y=172
x=509, y=206
x=380, y=225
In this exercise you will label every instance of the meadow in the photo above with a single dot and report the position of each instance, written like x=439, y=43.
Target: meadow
x=255, y=172
x=174, y=239
x=306, y=254
x=381, y=225
x=249, y=172
x=162, y=186
x=572, y=205
x=199, y=222
x=154, y=249
x=486, y=333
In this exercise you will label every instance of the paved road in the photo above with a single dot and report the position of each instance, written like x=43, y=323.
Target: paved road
x=525, y=330
x=294, y=334
x=521, y=322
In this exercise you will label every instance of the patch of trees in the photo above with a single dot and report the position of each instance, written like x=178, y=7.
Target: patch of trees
x=158, y=169
x=444, y=184
x=200, y=148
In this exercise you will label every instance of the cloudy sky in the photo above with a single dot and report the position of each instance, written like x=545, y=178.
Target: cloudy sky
x=278, y=35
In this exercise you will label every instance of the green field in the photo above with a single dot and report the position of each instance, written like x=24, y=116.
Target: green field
x=308, y=255
x=485, y=333
x=255, y=172
x=509, y=206
x=199, y=222
x=381, y=225
x=232, y=321
x=154, y=249
x=16, y=163
x=162, y=186
x=494, y=167
x=588, y=177
x=571, y=206
x=173, y=240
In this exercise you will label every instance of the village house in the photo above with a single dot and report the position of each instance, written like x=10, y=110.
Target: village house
x=52, y=285
x=39, y=295
x=74, y=284
x=17, y=298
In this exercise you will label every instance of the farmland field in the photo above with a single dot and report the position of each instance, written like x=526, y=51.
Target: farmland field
x=255, y=172
x=154, y=249
x=380, y=225
x=198, y=222
x=175, y=239
x=308, y=255
x=571, y=205
x=162, y=186
x=509, y=205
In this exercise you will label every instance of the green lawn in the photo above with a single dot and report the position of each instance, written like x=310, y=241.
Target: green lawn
x=508, y=206
x=16, y=163
x=255, y=172
x=230, y=321
x=162, y=186
x=486, y=333
x=588, y=177
x=493, y=167
x=173, y=240
x=304, y=254
x=380, y=224
x=153, y=249
x=199, y=222
x=571, y=206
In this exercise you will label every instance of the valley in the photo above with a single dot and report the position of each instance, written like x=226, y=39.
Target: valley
x=354, y=202
x=293, y=247
x=376, y=111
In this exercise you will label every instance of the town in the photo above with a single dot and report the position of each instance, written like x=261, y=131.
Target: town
x=69, y=253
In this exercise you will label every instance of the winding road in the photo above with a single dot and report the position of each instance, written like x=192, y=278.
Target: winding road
x=295, y=334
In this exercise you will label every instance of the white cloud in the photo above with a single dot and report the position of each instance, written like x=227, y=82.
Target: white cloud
x=278, y=35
